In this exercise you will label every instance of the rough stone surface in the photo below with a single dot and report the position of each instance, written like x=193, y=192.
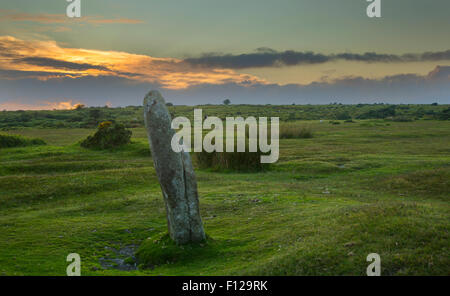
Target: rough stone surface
x=175, y=173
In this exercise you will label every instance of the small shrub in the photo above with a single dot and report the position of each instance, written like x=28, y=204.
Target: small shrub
x=444, y=114
x=7, y=141
x=345, y=115
x=108, y=135
x=293, y=131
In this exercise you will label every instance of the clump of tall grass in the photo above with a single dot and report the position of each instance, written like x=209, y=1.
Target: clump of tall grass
x=7, y=141
x=295, y=131
x=231, y=161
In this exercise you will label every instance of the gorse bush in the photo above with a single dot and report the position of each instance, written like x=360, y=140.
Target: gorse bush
x=7, y=141
x=109, y=135
x=294, y=131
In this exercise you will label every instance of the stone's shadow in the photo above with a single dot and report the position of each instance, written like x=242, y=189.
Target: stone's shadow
x=124, y=259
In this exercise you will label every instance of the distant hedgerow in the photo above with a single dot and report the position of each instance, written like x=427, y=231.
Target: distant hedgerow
x=7, y=141
x=108, y=135
x=402, y=119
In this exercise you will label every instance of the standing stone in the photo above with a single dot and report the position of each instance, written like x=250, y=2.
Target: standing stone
x=175, y=173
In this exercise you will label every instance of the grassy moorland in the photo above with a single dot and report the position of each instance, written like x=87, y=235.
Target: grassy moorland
x=371, y=186
x=131, y=116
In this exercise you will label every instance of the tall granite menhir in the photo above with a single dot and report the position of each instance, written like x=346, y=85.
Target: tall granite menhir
x=175, y=173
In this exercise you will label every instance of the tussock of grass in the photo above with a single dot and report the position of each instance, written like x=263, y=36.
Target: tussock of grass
x=231, y=161
x=161, y=249
x=295, y=131
x=8, y=141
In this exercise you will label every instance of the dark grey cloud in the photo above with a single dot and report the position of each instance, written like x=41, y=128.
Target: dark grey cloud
x=43, y=75
x=370, y=57
x=266, y=57
x=56, y=64
x=48, y=62
x=18, y=74
x=120, y=91
x=440, y=73
x=436, y=56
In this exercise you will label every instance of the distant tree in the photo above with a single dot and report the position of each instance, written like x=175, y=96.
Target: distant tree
x=94, y=116
x=79, y=106
x=169, y=104
x=444, y=115
x=434, y=104
x=25, y=117
x=291, y=116
x=227, y=102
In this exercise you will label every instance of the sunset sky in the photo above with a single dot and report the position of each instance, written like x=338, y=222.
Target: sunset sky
x=203, y=51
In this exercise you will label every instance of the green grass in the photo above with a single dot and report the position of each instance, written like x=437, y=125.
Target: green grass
x=372, y=186
x=8, y=141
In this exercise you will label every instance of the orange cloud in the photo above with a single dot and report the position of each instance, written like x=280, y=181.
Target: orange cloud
x=46, y=105
x=47, y=60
